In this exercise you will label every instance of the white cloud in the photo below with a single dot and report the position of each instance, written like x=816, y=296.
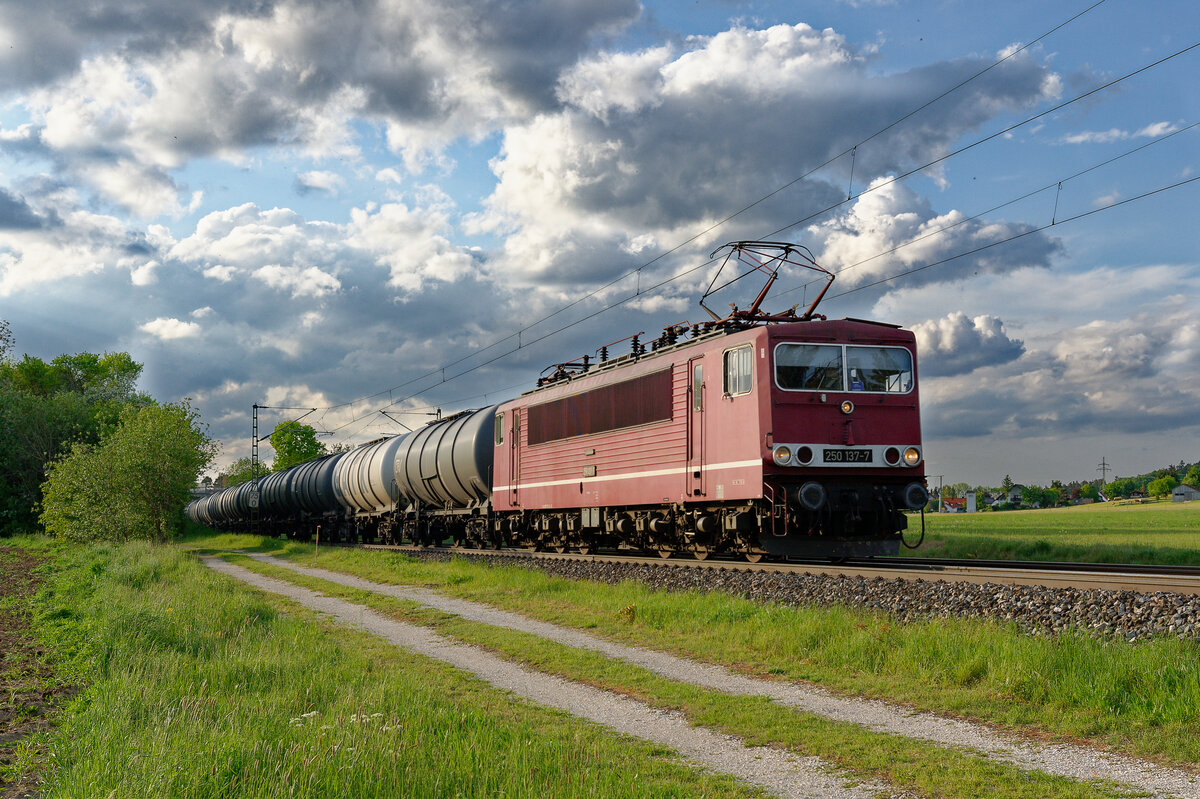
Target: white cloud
x=300, y=281
x=410, y=244
x=144, y=275
x=124, y=102
x=168, y=329
x=220, y=272
x=956, y=344
x=891, y=230
x=80, y=243
x=248, y=237
x=328, y=182
x=664, y=142
x=1132, y=373
x=1151, y=131
x=389, y=175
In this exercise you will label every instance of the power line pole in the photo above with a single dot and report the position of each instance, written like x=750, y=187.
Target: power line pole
x=940, y=479
x=1103, y=468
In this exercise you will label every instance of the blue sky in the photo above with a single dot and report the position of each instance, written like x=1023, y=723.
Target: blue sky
x=321, y=204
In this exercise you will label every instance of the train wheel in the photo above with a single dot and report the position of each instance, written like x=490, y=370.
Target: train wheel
x=665, y=553
x=701, y=553
x=755, y=557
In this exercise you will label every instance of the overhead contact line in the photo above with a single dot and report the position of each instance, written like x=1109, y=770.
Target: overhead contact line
x=719, y=223
x=1026, y=196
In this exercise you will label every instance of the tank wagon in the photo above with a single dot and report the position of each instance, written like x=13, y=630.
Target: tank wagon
x=753, y=434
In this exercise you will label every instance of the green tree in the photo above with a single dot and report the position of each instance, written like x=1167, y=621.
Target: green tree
x=238, y=472
x=1007, y=486
x=1120, y=487
x=1192, y=477
x=44, y=407
x=955, y=490
x=6, y=340
x=134, y=483
x=1162, y=486
x=294, y=443
x=1088, y=491
x=36, y=431
x=1035, y=495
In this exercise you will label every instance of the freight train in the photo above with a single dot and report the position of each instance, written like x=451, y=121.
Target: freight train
x=755, y=435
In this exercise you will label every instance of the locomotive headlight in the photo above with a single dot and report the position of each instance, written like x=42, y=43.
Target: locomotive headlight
x=782, y=455
x=912, y=456
x=847, y=406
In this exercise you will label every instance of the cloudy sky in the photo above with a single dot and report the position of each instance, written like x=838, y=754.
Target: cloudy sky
x=401, y=205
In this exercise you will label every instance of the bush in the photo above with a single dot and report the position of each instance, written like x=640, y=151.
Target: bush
x=134, y=483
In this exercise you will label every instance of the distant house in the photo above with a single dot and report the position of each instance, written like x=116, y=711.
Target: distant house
x=1185, y=493
x=954, y=505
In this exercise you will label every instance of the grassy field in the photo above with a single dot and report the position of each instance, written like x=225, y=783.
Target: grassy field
x=1142, y=699
x=1159, y=532
x=196, y=687
x=905, y=763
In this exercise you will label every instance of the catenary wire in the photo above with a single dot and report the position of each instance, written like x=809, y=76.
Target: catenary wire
x=1026, y=196
x=891, y=278
x=522, y=344
x=594, y=292
x=1020, y=235
x=984, y=140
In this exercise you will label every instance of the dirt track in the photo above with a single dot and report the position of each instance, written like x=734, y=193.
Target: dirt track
x=27, y=687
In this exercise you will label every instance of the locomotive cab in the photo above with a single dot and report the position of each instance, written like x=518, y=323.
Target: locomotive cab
x=842, y=455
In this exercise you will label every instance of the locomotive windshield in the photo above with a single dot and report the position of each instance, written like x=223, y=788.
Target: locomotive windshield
x=826, y=367
x=886, y=369
x=808, y=367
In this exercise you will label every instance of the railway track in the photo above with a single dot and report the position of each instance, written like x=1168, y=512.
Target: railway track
x=1082, y=576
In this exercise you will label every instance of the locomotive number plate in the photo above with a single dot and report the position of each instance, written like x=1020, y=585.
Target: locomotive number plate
x=847, y=456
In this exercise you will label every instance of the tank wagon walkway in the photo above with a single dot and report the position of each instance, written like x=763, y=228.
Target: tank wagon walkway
x=1065, y=760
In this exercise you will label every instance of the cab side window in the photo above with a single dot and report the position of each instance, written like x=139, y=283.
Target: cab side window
x=738, y=370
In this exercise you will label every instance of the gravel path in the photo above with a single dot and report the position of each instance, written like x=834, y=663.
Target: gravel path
x=778, y=772
x=1074, y=762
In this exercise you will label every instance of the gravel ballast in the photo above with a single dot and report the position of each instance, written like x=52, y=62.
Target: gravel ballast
x=777, y=772
x=1065, y=760
x=1128, y=615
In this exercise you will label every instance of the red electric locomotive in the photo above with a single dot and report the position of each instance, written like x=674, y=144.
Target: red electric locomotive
x=785, y=435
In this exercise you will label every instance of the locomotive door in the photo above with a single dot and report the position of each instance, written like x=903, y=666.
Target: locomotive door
x=514, y=463
x=694, y=483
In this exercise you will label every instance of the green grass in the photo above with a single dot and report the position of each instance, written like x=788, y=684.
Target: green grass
x=901, y=762
x=196, y=687
x=1160, y=533
x=1143, y=699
